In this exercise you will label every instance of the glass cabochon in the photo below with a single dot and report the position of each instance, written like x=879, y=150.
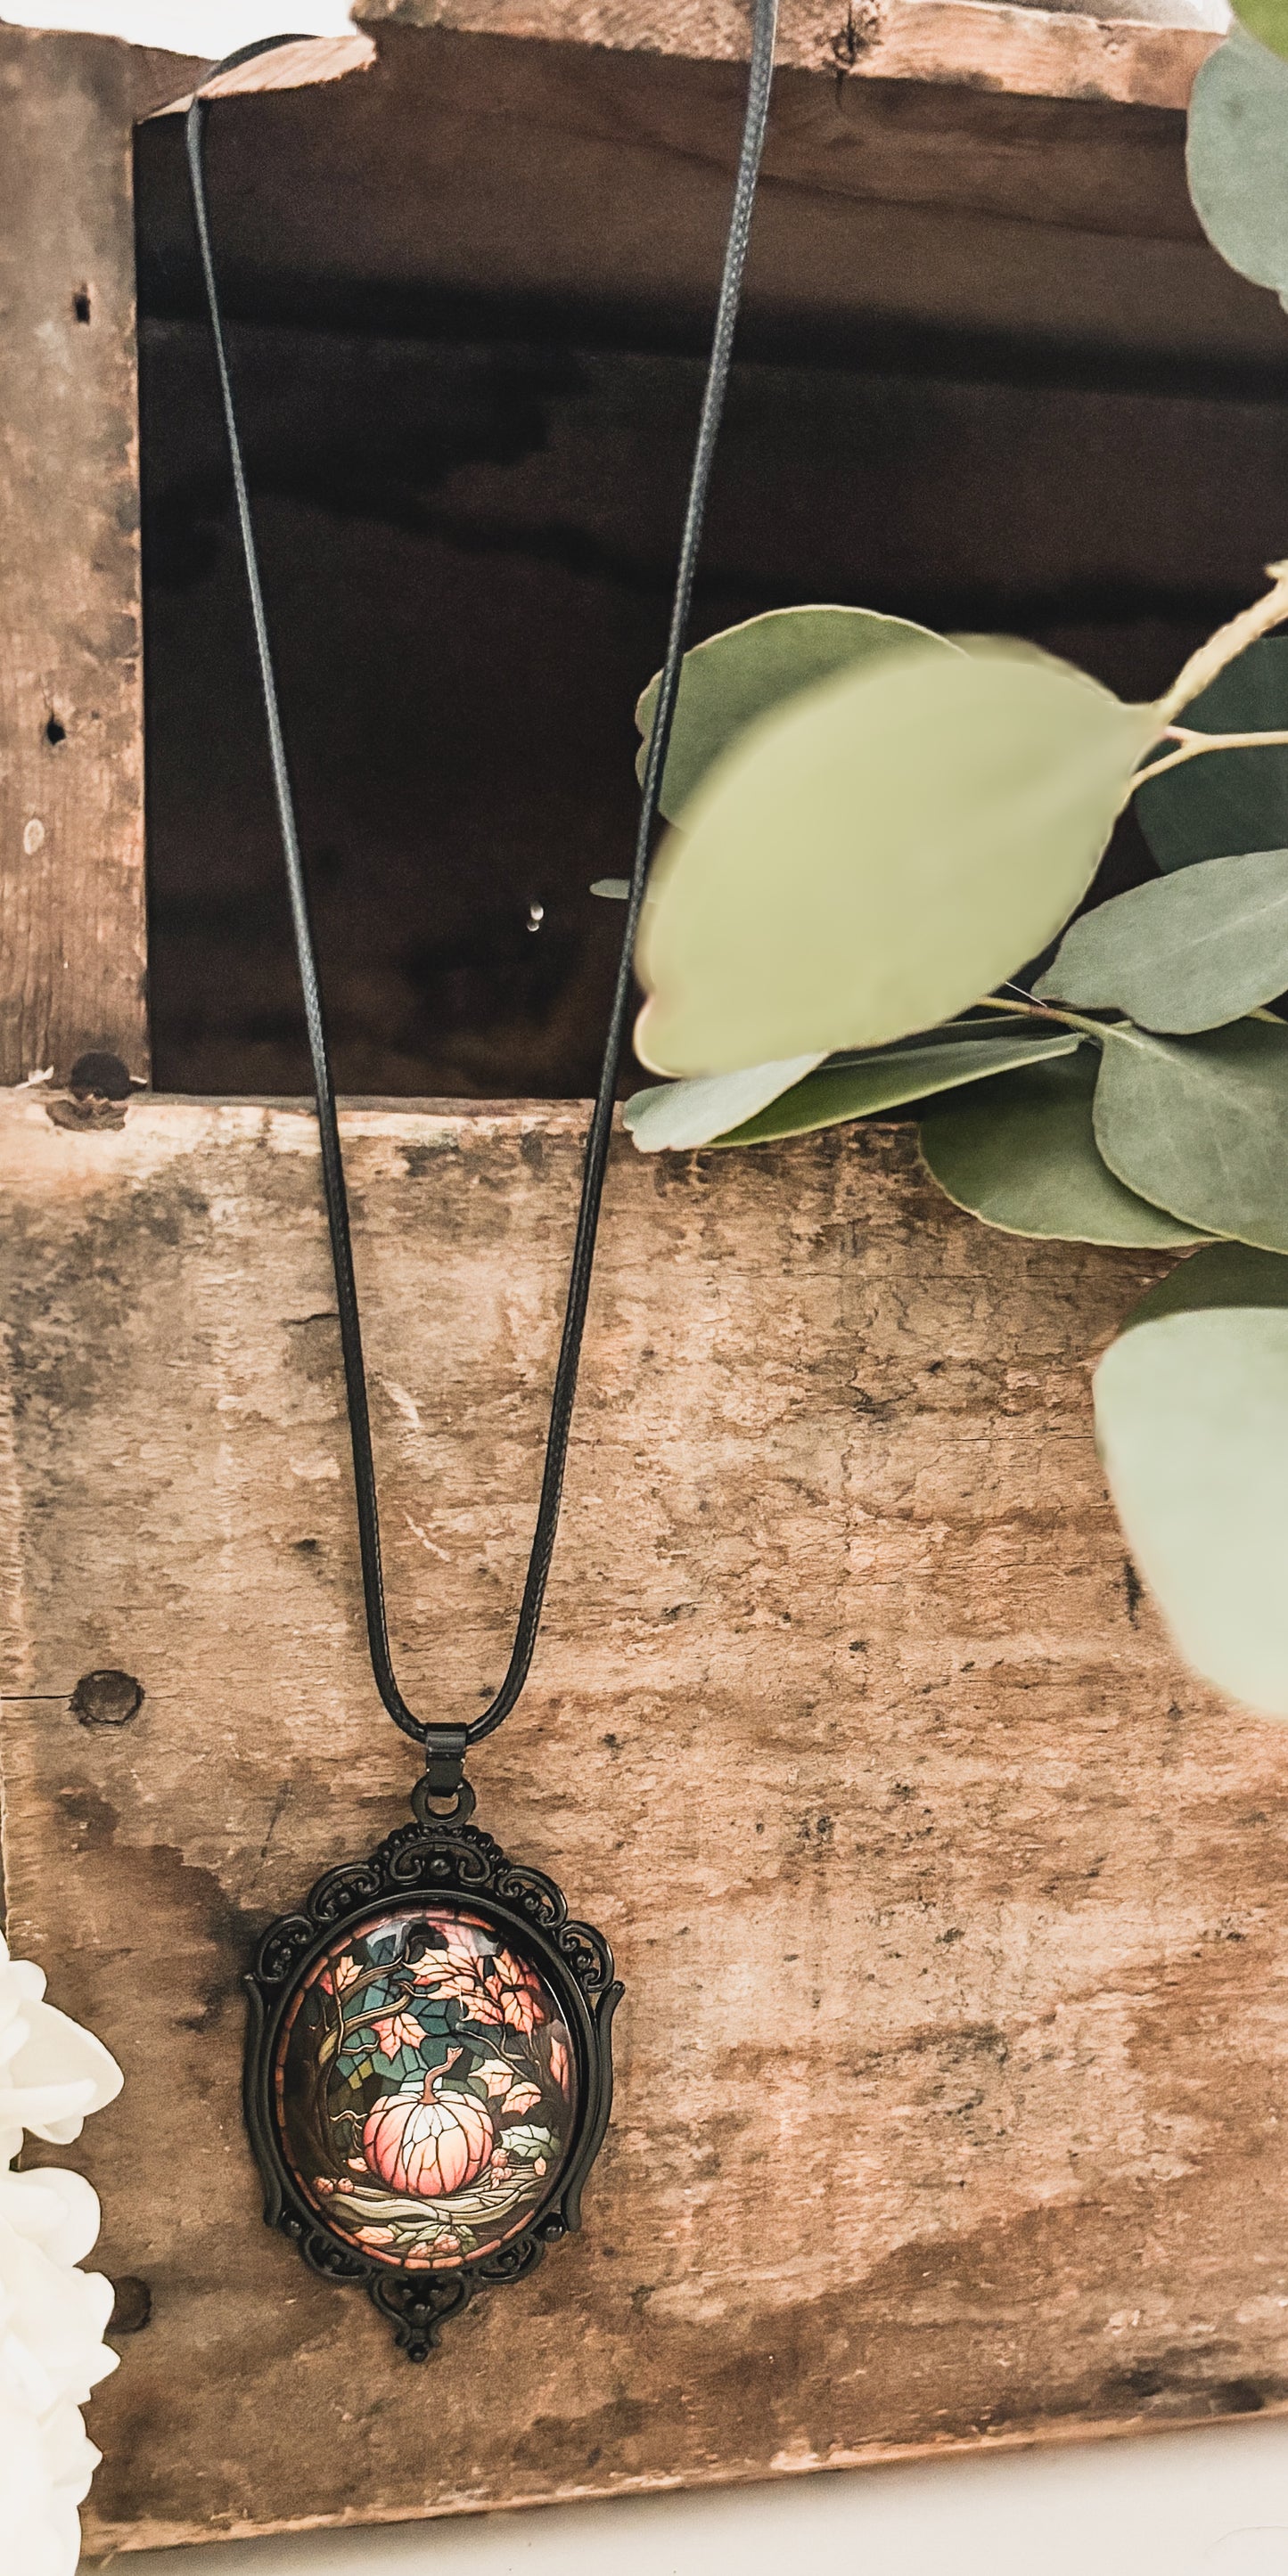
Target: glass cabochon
x=424, y=2087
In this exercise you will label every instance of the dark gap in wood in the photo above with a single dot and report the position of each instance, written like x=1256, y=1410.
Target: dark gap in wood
x=468, y=551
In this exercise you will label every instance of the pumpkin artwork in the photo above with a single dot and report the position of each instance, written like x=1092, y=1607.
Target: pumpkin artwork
x=428, y=2142
x=427, y=2089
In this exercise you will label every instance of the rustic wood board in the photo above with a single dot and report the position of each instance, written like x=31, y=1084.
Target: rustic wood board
x=953, y=1915
x=1021, y=52
x=72, y=904
x=573, y=168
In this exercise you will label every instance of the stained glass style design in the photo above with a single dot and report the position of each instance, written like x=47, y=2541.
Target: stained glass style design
x=424, y=2088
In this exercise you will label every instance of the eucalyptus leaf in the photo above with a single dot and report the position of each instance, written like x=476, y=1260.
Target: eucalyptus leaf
x=1235, y=159
x=1020, y=1153
x=1191, y=951
x=1226, y=803
x=713, y=1108
x=1192, y=1427
x=680, y=1115
x=734, y=679
x=878, y=854
x=857, y=1085
x=1267, y=20
x=1200, y=1125
x=1222, y=1274
x=1017, y=648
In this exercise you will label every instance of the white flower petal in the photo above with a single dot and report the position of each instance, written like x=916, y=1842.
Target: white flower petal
x=52, y=2315
x=51, y=2321
x=45, y=2470
x=55, y=2210
x=57, y=2074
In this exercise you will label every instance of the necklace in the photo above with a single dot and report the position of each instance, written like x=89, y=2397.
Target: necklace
x=428, y=2066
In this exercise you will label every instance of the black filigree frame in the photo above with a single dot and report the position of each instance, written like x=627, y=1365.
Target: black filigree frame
x=435, y=1857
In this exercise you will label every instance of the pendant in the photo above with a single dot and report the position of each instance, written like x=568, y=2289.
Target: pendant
x=428, y=2069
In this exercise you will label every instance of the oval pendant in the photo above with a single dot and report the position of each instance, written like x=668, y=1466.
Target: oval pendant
x=425, y=2087
x=429, y=2073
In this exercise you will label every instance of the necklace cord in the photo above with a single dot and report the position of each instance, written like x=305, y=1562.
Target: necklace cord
x=446, y=1744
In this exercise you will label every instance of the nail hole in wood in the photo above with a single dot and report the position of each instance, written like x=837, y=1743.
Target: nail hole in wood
x=55, y=732
x=131, y=2307
x=81, y=304
x=106, y=1698
x=96, y=1076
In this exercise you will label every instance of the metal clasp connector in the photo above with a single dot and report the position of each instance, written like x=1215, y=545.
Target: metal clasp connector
x=444, y=1761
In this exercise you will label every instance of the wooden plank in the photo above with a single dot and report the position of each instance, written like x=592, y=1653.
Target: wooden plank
x=482, y=177
x=954, y=1916
x=72, y=911
x=1024, y=52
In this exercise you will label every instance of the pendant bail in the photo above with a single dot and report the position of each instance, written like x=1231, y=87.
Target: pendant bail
x=445, y=1749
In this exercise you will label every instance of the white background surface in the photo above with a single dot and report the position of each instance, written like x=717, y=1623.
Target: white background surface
x=188, y=26
x=1212, y=2503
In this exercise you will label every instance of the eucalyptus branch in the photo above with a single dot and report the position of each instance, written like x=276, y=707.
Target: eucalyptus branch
x=1194, y=744
x=1227, y=643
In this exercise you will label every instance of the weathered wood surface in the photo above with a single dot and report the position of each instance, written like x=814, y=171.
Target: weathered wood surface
x=72, y=910
x=572, y=167
x=954, y=1917
x=1023, y=51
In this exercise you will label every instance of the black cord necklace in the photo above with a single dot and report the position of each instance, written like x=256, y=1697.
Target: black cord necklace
x=429, y=2068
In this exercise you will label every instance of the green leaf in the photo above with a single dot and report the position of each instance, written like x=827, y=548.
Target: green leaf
x=683, y=1114
x=1192, y=1426
x=1021, y=1154
x=1198, y=1125
x=873, y=858
x=1017, y=648
x=1267, y=20
x=1190, y=952
x=1235, y=159
x=525, y=2140
x=733, y=679
x=856, y=1086
x=723, y=1108
x=1226, y=802
x=1222, y=1274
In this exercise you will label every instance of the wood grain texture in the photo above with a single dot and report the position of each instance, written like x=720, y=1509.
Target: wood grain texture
x=954, y=1917
x=1025, y=52
x=72, y=912
x=479, y=177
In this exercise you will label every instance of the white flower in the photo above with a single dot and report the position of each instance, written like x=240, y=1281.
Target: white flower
x=52, y=2316
x=53, y=2209
x=52, y=2073
x=45, y=2471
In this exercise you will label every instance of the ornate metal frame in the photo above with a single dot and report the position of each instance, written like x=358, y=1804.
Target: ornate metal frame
x=436, y=1856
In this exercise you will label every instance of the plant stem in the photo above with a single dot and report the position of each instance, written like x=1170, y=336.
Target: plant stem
x=1195, y=744
x=1227, y=643
x=1126, y=1029
x=1051, y=1011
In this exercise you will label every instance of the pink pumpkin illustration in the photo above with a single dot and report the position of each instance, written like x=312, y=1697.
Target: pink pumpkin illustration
x=428, y=2143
